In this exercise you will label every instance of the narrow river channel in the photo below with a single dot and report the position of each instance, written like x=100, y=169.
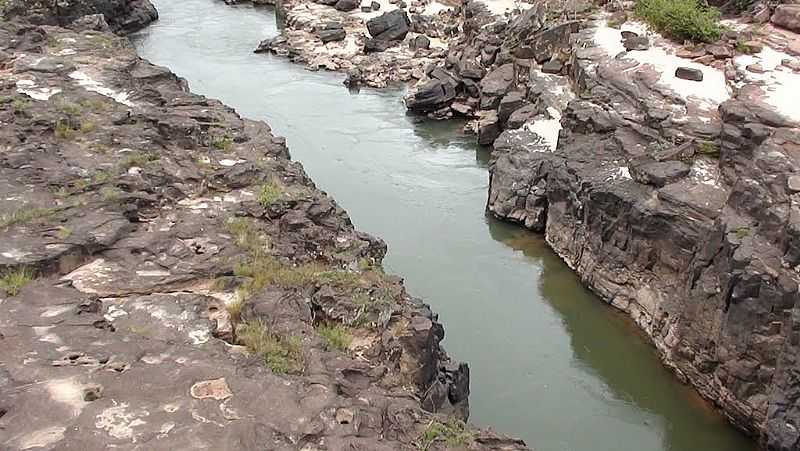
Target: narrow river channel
x=550, y=362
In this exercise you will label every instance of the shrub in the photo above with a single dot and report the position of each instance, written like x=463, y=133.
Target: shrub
x=23, y=215
x=13, y=280
x=63, y=130
x=281, y=354
x=336, y=336
x=270, y=193
x=454, y=433
x=681, y=19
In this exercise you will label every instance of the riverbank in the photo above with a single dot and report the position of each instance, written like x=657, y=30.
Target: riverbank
x=661, y=220
x=151, y=235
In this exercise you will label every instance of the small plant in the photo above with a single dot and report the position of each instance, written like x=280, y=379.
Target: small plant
x=63, y=130
x=96, y=105
x=137, y=159
x=269, y=193
x=13, y=280
x=23, y=215
x=110, y=193
x=707, y=148
x=69, y=108
x=223, y=143
x=20, y=105
x=741, y=232
x=453, y=433
x=247, y=236
x=87, y=126
x=336, y=336
x=235, y=307
x=681, y=19
x=63, y=232
x=281, y=354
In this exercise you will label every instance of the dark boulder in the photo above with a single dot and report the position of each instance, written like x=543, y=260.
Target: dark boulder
x=488, y=128
x=346, y=5
x=659, y=173
x=431, y=96
x=688, y=73
x=495, y=85
x=330, y=35
x=376, y=45
x=391, y=26
x=420, y=42
x=509, y=103
x=552, y=67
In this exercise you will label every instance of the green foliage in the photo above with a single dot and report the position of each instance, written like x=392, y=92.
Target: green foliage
x=63, y=130
x=336, y=336
x=223, y=143
x=110, y=193
x=281, y=354
x=69, y=108
x=87, y=126
x=741, y=232
x=270, y=193
x=137, y=159
x=453, y=433
x=13, y=280
x=247, y=236
x=681, y=19
x=63, y=232
x=23, y=215
x=707, y=148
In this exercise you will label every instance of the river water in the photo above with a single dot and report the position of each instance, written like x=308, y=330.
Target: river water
x=550, y=362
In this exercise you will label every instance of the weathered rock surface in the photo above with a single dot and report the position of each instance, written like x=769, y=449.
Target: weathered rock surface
x=122, y=16
x=673, y=203
x=168, y=239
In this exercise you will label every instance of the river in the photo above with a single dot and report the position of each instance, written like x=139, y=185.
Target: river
x=550, y=362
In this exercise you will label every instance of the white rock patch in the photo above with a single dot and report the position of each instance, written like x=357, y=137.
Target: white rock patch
x=29, y=88
x=710, y=92
x=547, y=129
x=95, y=86
x=779, y=82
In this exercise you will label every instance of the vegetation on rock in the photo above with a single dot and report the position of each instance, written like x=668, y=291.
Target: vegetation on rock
x=681, y=19
x=13, y=280
x=336, y=336
x=281, y=354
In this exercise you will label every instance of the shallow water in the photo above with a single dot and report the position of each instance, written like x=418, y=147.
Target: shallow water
x=550, y=362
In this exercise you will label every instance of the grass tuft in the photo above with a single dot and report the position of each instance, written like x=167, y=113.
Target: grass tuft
x=270, y=193
x=681, y=19
x=12, y=281
x=223, y=143
x=453, y=433
x=23, y=216
x=336, y=336
x=137, y=159
x=281, y=354
x=63, y=130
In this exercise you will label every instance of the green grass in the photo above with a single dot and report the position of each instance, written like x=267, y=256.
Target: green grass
x=87, y=126
x=64, y=232
x=336, y=336
x=137, y=159
x=707, y=148
x=281, y=354
x=453, y=433
x=247, y=236
x=69, y=108
x=20, y=105
x=63, y=130
x=23, y=215
x=269, y=193
x=223, y=143
x=681, y=19
x=741, y=232
x=12, y=281
x=110, y=193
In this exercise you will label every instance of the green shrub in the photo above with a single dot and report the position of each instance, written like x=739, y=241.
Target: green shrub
x=23, y=215
x=336, y=336
x=270, y=193
x=681, y=19
x=454, y=433
x=281, y=354
x=13, y=280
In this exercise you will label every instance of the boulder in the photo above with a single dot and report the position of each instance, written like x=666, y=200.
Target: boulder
x=346, y=5
x=495, y=85
x=520, y=116
x=688, y=73
x=488, y=128
x=552, y=67
x=430, y=96
x=420, y=42
x=376, y=45
x=636, y=43
x=787, y=16
x=509, y=103
x=330, y=35
x=659, y=173
x=391, y=26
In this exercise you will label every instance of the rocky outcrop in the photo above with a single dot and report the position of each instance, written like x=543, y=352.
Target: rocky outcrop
x=121, y=16
x=384, y=42
x=170, y=278
x=664, y=182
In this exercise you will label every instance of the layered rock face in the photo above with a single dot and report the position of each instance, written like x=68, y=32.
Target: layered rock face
x=170, y=278
x=675, y=199
x=121, y=16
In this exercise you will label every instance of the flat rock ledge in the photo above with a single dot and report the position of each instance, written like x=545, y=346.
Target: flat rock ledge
x=170, y=279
